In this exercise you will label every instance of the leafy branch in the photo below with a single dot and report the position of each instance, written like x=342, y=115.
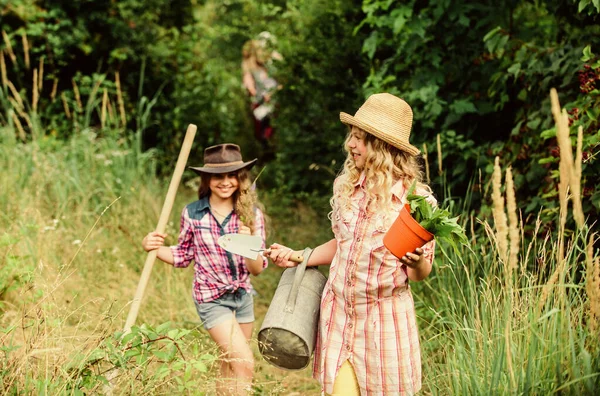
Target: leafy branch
x=436, y=220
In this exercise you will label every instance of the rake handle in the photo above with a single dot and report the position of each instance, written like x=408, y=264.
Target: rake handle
x=162, y=224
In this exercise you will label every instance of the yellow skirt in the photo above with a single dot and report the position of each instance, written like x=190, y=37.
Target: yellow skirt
x=345, y=382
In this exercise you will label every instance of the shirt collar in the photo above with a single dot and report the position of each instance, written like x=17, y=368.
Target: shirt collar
x=361, y=180
x=203, y=204
x=398, y=189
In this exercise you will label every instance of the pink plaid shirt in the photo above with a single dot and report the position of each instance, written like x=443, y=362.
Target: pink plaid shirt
x=367, y=310
x=216, y=270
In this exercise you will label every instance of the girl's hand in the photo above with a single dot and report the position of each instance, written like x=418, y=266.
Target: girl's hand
x=413, y=259
x=153, y=241
x=244, y=229
x=280, y=255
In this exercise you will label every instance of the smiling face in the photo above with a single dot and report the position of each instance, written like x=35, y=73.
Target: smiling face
x=224, y=185
x=357, y=146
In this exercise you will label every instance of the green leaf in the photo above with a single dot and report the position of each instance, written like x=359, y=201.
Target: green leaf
x=436, y=220
x=463, y=106
x=162, y=327
x=514, y=69
x=583, y=4
x=370, y=45
x=534, y=123
x=200, y=366
x=587, y=54
x=491, y=33
x=548, y=134
x=162, y=355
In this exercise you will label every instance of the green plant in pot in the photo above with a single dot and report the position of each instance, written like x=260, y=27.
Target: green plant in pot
x=419, y=222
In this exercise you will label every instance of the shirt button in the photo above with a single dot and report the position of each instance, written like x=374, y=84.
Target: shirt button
x=349, y=282
x=350, y=325
x=358, y=239
x=348, y=347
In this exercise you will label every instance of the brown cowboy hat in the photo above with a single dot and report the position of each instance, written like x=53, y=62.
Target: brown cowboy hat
x=223, y=158
x=387, y=117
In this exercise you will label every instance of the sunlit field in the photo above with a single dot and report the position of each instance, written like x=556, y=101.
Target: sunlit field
x=93, y=109
x=506, y=315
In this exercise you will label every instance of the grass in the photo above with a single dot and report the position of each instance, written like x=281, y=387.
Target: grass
x=73, y=218
x=504, y=316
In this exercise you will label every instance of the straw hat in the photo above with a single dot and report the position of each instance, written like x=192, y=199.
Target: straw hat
x=387, y=117
x=223, y=158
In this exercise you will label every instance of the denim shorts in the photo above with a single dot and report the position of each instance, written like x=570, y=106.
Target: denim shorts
x=240, y=303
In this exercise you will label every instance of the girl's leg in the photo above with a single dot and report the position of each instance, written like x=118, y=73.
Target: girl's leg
x=345, y=382
x=247, y=329
x=237, y=362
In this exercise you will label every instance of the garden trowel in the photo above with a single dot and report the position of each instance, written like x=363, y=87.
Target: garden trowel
x=247, y=245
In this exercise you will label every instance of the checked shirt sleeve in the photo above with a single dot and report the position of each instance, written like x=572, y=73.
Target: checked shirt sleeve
x=183, y=252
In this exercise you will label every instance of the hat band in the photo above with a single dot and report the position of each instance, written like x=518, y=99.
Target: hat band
x=223, y=165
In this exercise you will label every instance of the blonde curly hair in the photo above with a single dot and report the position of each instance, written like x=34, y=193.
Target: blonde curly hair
x=384, y=166
x=245, y=199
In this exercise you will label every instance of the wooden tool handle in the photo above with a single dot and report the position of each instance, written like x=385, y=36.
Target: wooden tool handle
x=296, y=258
x=160, y=227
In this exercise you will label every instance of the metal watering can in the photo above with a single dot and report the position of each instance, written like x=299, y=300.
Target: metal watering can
x=288, y=333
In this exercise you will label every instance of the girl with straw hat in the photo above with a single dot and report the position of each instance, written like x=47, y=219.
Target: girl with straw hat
x=222, y=291
x=367, y=340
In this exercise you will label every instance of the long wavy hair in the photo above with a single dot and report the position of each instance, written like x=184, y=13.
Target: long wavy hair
x=384, y=166
x=245, y=199
x=254, y=56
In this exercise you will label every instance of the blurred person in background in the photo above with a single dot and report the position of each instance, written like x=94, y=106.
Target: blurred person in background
x=257, y=70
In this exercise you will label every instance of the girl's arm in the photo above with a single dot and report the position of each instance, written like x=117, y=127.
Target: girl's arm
x=321, y=255
x=249, y=84
x=254, y=266
x=155, y=240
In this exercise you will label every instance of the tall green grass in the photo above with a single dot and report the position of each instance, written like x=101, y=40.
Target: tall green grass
x=489, y=331
x=73, y=213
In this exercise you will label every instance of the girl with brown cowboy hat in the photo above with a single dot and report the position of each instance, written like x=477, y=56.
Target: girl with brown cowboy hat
x=222, y=292
x=367, y=338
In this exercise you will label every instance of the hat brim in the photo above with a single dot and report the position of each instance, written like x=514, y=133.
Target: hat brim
x=215, y=170
x=350, y=120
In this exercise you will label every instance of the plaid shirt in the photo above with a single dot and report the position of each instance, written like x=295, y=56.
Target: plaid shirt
x=216, y=271
x=367, y=310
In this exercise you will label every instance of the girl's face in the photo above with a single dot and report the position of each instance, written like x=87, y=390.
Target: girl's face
x=357, y=147
x=224, y=185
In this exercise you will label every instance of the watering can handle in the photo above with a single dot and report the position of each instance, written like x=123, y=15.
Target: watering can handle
x=300, y=269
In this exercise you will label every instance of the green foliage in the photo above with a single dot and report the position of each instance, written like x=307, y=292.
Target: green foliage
x=436, y=220
x=499, y=331
x=584, y=113
x=479, y=75
x=484, y=327
x=15, y=272
x=309, y=133
x=152, y=358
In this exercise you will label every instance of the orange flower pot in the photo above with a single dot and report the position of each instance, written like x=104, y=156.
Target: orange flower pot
x=405, y=234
